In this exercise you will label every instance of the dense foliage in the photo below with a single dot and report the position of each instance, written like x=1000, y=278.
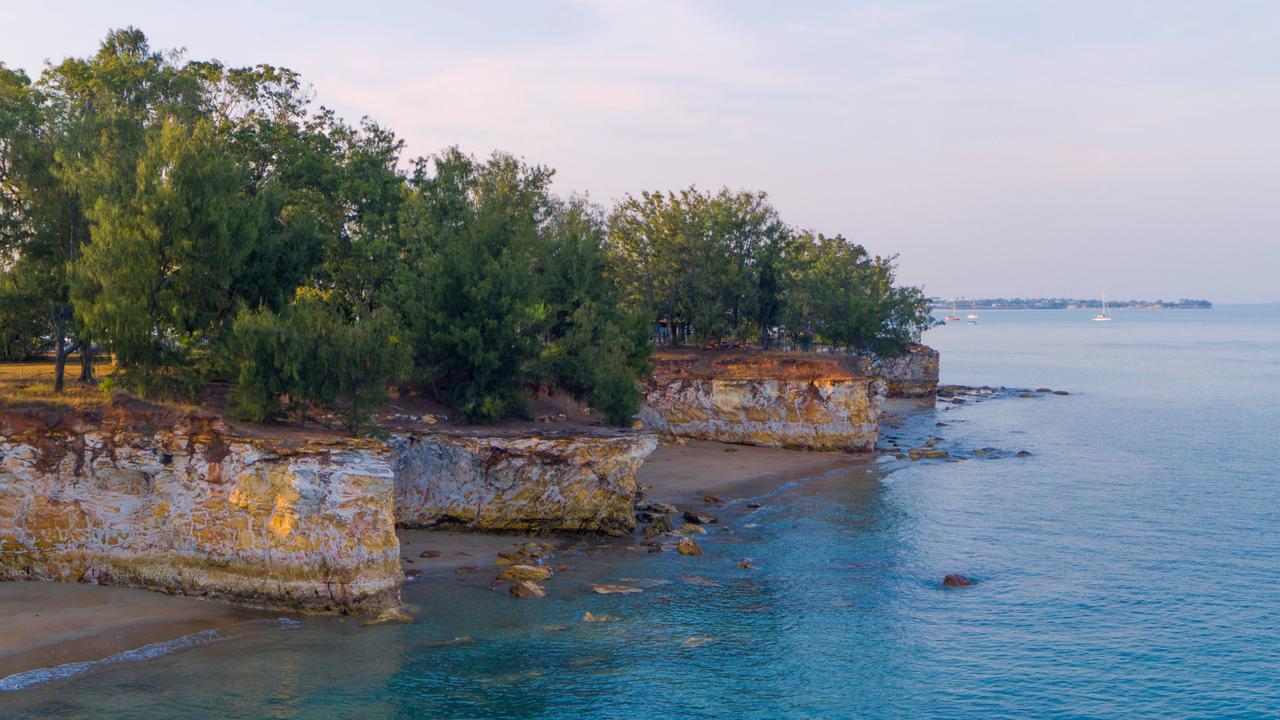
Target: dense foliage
x=201, y=222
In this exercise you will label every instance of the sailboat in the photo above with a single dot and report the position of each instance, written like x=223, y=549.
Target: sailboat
x=1105, y=315
x=953, y=316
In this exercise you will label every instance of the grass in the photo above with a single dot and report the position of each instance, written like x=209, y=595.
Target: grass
x=32, y=382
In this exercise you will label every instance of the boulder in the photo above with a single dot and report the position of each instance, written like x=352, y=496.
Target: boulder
x=687, y=546
x=661, y=525
x=956, y=580
x=701, y=518
x=527, y=589
x=535, y=573
x=390, y=616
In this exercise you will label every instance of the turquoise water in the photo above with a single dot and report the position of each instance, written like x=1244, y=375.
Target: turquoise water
x=1130, y=567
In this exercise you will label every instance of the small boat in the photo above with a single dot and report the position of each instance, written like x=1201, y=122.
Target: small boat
x=973, y=322
x=953, y=316
x=1105, y=315
x=972, y=316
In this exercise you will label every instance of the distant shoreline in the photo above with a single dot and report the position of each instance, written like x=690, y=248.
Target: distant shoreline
x=948, y=308
x=1066, y=304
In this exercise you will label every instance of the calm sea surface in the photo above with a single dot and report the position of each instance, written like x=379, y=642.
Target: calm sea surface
x=1130, y=567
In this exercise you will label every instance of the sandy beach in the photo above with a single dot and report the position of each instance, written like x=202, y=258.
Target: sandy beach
x=44, y=624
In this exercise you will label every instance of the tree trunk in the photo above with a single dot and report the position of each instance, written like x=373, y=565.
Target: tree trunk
x=86, y=364
x=58, y=316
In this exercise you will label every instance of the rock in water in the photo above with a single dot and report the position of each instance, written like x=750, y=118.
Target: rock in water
x=535, y=573
x=528, y=589
x=956, y=580
x=608, y=589
x=661, y=525
x=390, y=616
x=691, y=529
x=429, y=554
x=700, y=518
x=687, y=546
x=697, y=641
x=589, y=618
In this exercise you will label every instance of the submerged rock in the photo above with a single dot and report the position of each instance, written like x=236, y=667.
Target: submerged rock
x=614, y=589
x=956, y=580
x=390, y=616
x=691, y=529
x=587, y=617
x=697, y=641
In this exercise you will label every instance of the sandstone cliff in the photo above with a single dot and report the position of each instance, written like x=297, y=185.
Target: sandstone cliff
x=574, y=482
x=914, y=374
x=790, y=400
x=181, y=505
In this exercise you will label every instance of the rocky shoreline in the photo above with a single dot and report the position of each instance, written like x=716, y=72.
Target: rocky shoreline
x=186, y=504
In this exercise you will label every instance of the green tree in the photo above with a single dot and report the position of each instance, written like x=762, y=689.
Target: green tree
x=471, y=293
x=157, y=275
x=593, y=347
x=311, y=352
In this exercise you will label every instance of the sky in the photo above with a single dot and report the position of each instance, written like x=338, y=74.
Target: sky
x=1018, y=148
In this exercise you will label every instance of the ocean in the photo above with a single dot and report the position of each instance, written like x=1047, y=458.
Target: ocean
x=1129, y=566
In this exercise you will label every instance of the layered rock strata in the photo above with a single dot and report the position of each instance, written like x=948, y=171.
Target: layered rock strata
x=181, y=505
x=912, y=374
x=145, y=497
x=566, y=482
x=788, y=400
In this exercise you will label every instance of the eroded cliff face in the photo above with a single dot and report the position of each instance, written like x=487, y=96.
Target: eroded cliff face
x=567, y=482
x=788, y=400
x=914, y=374
x=183, y=506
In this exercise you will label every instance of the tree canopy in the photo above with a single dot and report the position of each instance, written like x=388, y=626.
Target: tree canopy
x=203, y=222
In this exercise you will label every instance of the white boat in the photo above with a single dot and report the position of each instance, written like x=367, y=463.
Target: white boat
x=1105, y=315
x=972, y=316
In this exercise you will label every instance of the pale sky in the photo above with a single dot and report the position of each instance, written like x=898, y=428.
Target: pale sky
x=1013, y=148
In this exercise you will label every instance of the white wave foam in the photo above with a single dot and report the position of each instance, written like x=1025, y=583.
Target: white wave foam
x=24, y=680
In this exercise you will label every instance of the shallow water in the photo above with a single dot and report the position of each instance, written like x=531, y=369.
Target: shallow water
x=1128, y=568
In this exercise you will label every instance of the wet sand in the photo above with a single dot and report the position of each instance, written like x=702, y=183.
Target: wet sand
x=48, y=624
x=45, y=624
x=682, y=472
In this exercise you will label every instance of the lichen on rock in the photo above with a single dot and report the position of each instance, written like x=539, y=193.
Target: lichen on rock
x=788, y=400
x=912, y=374
x=581, y=481
x=189, y=508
